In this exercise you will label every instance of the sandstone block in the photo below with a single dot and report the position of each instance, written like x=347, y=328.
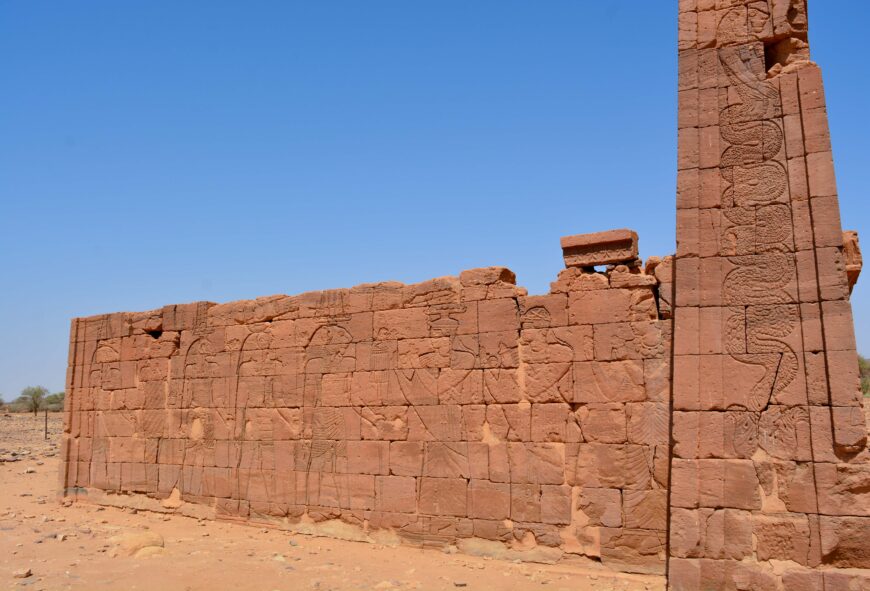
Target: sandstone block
x=631, y=340
x=729, y=483
x=498, y=350
x=501, y=386
x=553, y=422
x=441, y=290
x=844, y=541
x=543, y=311
x=511, y=422
x=537, y=463
x=579, y=279
x=600, y=465
x=368, y=457
x=609, y=381
x=435, y=423
x=602, y=506
x=396, y=494
x=600, y=248
x=645, y=509
x=603, y=423
x=443, y=459
x=497, y=315
x=633, y=550
x=802, y=579
x=526, y=502
x=384, y=423
x=424, y=353
x=443, y=496
x=556, y=504
x=406, y=323
x=548, y=382
x=406, y=458
x=648, y=423
x=843, y=489
x=488, y=500
x=784, y=537
x=611, y=305
x=460, y=386
x=846, y=580
x=487, y=276
x=557, y=345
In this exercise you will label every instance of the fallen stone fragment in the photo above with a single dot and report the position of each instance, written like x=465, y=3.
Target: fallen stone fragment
x=150, y=551
x=23, y=573
x=137, y=543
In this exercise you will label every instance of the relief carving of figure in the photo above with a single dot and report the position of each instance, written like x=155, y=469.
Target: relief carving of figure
x=758, y=241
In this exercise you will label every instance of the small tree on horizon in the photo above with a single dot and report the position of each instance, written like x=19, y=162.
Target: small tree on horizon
x=54, y=401
x=32, y=398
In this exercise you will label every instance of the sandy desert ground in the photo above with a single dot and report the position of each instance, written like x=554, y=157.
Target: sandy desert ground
x=83, y=546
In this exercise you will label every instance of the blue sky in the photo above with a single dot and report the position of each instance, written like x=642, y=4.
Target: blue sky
x=162, y=152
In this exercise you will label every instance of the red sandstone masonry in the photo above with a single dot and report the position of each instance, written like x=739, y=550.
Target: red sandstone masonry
x=461, y=411
x=767, y=415
x=456, y=411
x=601, y=248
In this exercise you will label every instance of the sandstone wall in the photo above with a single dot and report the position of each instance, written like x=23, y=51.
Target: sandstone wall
x=770, y=466
x=463, y=412
x=459, y=411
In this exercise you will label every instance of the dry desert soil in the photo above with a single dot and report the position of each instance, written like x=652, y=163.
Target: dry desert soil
x=84, y=546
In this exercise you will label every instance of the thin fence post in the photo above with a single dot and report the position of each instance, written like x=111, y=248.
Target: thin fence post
x=46, y=424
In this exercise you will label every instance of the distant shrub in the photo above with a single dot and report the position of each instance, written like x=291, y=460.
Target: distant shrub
x=54, y=402
x=31, y=399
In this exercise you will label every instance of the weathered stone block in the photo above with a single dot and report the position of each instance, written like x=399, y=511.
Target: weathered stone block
x=600, y=248
x=488, y=500
x=443, y=496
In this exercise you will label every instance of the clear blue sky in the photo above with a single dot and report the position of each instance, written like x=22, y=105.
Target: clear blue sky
x=162, y=152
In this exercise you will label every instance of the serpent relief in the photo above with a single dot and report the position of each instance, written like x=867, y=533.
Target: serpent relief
x=757, y=239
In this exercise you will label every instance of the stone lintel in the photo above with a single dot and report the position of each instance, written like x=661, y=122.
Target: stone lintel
x=600, y=248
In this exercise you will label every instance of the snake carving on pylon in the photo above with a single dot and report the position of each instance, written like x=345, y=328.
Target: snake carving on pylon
x=756, y=239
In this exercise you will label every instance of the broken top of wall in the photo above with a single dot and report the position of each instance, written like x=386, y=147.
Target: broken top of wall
x=459, y=411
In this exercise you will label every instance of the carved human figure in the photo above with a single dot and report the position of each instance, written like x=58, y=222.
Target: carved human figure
x=327, y=352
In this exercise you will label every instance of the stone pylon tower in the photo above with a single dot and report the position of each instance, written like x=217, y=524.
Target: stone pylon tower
x=770, y=484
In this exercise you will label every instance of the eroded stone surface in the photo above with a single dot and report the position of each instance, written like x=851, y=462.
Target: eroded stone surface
x=463, y=412
x=769, y=459
x=600, y=248
x=458, y=411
